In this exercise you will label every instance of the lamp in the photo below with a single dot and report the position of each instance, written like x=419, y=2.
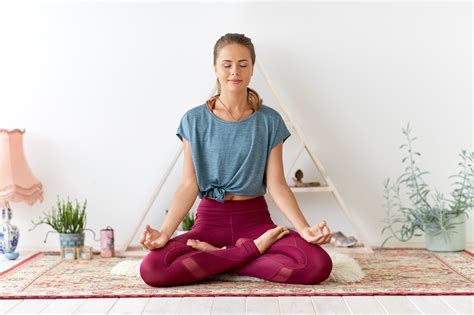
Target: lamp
x=17, y=184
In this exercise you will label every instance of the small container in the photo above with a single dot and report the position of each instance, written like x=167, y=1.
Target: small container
x=69, y=253
x=85, y=252
x=107, y=242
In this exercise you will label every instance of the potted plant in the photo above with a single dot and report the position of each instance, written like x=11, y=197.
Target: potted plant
x=443, y=220
x=188, y=221
x=67, y=220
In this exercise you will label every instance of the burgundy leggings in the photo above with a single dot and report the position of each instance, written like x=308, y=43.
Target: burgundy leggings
x=235, y=224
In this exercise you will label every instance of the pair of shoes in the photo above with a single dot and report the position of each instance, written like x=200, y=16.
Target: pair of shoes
x=341, y=240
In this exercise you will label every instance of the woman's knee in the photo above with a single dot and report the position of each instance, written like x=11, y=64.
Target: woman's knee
x=152, y=268
x=319, y=265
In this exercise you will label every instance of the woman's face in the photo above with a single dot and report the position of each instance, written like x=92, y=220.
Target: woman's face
x=234, y=67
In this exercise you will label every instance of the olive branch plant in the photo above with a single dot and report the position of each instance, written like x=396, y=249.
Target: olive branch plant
x=435, y=217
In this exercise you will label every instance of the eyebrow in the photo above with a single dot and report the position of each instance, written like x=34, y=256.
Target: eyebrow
x=231, y=60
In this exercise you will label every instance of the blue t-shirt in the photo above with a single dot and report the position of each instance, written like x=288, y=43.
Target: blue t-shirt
x=231, y=156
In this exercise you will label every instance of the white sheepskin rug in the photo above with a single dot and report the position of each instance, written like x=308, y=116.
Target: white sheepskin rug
x=345, y=269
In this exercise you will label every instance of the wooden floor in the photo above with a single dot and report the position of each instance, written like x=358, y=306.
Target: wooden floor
x=247, y=305
x=441, y=304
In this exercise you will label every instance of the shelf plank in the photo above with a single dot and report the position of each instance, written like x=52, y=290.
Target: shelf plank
x=311, y=189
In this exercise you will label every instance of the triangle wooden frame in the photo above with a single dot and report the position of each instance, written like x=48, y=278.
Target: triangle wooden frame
x=330, y=187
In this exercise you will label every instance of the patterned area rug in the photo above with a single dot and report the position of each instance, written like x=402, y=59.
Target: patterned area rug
x=387, y=272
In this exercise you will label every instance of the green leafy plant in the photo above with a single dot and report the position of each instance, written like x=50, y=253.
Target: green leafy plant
x=188, y=221
x=66, y=218
x=430, y=217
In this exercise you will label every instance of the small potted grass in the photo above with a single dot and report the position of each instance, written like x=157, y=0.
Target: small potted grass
x=68, y=220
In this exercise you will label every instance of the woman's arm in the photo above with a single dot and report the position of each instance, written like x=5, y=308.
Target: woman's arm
x=185, y=195
x=279, y=190
x=286, y=201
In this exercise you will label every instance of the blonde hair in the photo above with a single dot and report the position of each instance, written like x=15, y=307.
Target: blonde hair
x=253, y=98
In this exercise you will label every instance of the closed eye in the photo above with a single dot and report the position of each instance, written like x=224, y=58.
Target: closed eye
x=229, y=66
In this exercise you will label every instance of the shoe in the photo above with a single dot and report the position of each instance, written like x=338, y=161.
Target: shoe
x=341, y=240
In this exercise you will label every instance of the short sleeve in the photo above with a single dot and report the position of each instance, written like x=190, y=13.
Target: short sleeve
x=183, y=128
x=281, y=132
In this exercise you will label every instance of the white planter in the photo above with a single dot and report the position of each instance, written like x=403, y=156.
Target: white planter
x=451, y=240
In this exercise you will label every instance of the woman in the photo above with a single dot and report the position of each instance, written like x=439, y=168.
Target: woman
x=232, y=152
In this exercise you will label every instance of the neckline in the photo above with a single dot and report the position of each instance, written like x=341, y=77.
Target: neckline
x=227, y=121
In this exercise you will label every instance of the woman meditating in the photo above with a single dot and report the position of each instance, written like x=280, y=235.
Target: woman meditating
x=232, y=153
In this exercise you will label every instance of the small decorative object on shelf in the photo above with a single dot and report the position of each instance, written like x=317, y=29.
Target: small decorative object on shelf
x=85, y=252
x=69, y=253
x=298, y=179
x=107, y=242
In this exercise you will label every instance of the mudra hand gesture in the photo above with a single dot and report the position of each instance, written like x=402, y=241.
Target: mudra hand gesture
x=152, y=239
x=317, y=234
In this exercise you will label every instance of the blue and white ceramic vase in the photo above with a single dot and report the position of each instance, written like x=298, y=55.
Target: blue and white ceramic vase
x=9, y=235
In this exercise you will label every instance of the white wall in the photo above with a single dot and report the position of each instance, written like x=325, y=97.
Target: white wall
x=100, y=89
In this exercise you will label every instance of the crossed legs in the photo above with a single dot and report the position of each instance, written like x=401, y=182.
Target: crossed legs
x=290, y=260
x=278, y=255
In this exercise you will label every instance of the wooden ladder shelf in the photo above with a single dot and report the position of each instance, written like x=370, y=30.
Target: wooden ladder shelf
x=330, y=187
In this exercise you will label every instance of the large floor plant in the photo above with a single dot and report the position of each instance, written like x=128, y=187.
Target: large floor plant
x=435, y=217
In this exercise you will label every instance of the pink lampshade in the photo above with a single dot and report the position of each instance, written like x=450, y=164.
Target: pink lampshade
x=17, y=182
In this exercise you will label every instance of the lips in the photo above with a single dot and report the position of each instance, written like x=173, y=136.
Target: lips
x=235, y=81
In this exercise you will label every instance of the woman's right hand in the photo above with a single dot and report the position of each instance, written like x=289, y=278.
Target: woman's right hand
x=152, y=239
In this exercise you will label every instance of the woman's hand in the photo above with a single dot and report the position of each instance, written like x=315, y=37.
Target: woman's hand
x=152, y=239
x=315, y=234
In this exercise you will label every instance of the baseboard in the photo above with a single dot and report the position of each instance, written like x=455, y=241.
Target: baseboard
x=46, y=249
x=388, y=245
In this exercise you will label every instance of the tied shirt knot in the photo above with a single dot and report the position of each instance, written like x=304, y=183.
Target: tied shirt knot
x=218, y=193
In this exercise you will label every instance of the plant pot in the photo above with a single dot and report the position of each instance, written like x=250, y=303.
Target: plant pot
x=451, y=240
x=71, y=239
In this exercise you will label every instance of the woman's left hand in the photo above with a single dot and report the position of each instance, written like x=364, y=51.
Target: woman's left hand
x=315, y=234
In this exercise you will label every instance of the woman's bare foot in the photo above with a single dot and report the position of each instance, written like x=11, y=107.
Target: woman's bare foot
x=201, y=245
x=266, y=240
